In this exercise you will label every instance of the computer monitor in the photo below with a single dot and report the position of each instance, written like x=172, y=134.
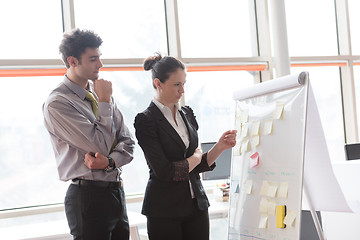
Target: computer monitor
x=223, y=164
x=352, y=151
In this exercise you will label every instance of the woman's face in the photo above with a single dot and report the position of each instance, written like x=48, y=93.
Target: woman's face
x=172, y=89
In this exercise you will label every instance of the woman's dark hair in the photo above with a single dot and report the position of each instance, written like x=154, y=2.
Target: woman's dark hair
x=162, y=67
x=75, y=43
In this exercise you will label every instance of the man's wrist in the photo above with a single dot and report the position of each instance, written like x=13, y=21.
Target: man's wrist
x=111, y=165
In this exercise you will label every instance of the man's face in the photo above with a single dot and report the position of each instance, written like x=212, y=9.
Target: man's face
x=89, y=64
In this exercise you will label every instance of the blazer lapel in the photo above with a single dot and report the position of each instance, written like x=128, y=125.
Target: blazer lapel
x=164, y=124
x=191, y=130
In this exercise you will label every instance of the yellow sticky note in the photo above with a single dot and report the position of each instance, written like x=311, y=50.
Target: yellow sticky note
x=263, y=221
x=254, y=141
x=244, y=116
x=278, y=110
x=283, y=190
x=263, y=206
x=244, y=129
x=272, y=189
x=245, y=146
x=264, y=188
x=271, y=207
x=255, y=128
x=237, y=149
x=290, y=218
x=280, y=215
x=248, y=186
x=239, y=130
x=237, y=119
x=268, y=126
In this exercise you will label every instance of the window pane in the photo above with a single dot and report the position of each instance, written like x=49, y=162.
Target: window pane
x=210, y=28
x=329, y=104
x=129, y=29
x=30, y=29
x=28, y=168
x=209, y=94
x=354, y=17
x=357, y=93
x=311, y=27
x=133, y=92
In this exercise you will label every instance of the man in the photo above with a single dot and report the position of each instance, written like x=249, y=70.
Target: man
x=90, y=141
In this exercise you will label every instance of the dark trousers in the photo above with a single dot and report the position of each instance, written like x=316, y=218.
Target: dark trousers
x=96, y=213
x=193, y=227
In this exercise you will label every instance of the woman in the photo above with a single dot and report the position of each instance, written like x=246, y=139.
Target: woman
x=175, y=202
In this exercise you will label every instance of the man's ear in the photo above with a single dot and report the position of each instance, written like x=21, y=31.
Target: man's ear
x=72, y=61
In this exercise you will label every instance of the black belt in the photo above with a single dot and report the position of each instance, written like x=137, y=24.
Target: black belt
x=93, y=183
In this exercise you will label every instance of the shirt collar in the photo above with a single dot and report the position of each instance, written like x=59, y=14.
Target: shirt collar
x=78, y=90
x=162, y=106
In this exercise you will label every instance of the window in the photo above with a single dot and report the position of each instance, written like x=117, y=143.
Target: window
x=357, y=93
x=30, y=29
x=354, y=20
x=28, y=169
x=329, y=105
x=209, y=94
x=129, y=29
x=133, y=92
x=223, y=30
x=311, y=28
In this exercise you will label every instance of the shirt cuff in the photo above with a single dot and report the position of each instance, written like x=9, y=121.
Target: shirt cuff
x=204, y=166
x=104, y=109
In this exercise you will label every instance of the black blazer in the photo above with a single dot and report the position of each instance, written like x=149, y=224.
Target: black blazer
x=168, y=192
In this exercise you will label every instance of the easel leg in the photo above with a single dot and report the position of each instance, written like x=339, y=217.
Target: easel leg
x=314, y=216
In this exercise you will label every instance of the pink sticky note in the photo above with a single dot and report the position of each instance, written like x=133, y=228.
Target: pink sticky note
x=254, y=160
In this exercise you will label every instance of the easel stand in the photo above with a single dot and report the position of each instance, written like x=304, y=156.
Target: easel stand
x=315, y=218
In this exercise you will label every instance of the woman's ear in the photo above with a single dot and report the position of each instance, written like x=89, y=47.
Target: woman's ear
x=157, y=83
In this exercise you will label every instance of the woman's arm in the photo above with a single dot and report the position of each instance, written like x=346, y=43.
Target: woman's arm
x=148, y=139
x=227, y=140
x=195, y=159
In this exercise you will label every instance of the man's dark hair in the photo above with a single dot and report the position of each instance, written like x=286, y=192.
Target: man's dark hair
x=75, y=43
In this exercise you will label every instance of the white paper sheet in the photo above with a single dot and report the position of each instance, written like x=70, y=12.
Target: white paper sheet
x=322, y=187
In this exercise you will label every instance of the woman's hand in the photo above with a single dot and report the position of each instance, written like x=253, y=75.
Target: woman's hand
x=227, y=139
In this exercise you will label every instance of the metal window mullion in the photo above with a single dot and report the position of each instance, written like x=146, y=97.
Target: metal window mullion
x=346, y=73
x=172, y=28
x=263, y=37
x=68, y=15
